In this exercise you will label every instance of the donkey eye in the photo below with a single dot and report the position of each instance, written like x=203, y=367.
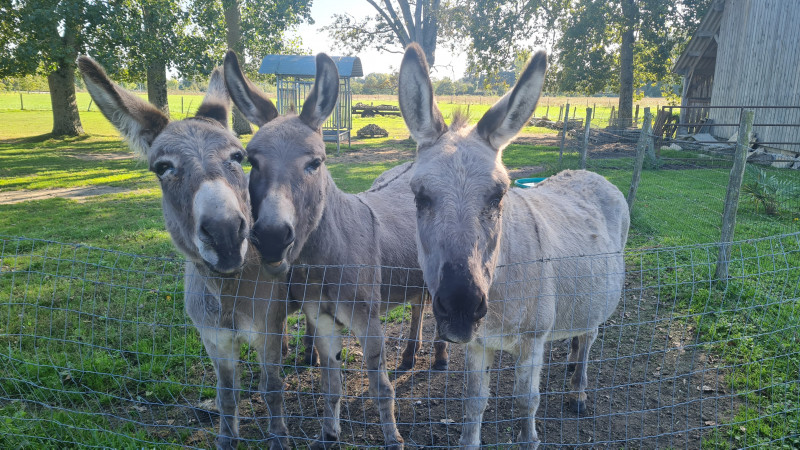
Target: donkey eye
x=313, y=165
x=494, y=202
x=422, y=201
x=238, y=157
x=163, y=168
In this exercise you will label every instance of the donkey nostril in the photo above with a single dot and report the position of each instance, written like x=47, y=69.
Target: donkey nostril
x=483, y=308
x=289, y=237
x=438, y=308
x=205, y=236
x=242, y=233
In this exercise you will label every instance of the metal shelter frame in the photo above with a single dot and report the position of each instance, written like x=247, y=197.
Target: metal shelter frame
x=295, y=78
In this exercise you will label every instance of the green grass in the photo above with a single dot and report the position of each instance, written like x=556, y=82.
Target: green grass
x=110, y=325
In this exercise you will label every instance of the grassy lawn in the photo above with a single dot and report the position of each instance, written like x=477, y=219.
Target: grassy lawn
x=110, y=325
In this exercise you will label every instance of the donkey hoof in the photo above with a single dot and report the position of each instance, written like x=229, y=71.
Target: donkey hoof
x=226, y=443
x=404, y=367
x=279, y=444
x=577, y=406
x=329, y=441
x=439, y=366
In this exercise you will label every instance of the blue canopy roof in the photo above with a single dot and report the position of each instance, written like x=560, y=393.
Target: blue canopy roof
x=305, y=65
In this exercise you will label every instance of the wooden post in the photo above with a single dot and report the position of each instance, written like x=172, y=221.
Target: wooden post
x=586, y=128
x=563, y=136
x=21, y=105
x=594, y=109
x=90, y=104
x=732, y=196
x=650, y=151
x=636, y=117
x=574, y=111
x=611, y=117
x=181, y=104
x=547, y=113
x=641, y=145
x=560, y=112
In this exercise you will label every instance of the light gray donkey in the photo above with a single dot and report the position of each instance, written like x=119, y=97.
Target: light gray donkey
x=509, y=269
x=301, y=217
x=207, y=213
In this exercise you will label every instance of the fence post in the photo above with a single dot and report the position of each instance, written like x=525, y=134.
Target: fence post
x=181, y=104
x=586, y=128
x=594, y=109
x=560, y=112
x=636, y=117
x=90, y=105
x=563, y=136
x=732, y=196
x=547, y=112
x=641, y=146
x=611, y=117
x=21, y=105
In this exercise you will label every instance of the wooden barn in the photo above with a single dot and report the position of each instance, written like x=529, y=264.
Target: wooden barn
x=746, y=53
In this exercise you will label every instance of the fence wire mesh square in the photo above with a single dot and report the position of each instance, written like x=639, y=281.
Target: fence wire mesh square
x=96, y=350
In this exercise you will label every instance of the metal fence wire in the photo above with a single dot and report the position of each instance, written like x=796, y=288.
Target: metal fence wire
x=96, y=350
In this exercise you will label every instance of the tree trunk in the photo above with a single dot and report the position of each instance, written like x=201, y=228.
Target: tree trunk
x=626, y=64
x=157, y=85
x=233, y=37
x=156, y=66
x=66, y=120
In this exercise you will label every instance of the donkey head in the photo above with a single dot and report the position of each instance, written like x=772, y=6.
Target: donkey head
x=288, y=182
x=198, y=163
x=459, y=184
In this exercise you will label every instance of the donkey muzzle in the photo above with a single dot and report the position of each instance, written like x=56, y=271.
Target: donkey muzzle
x=458, y=305
x=222, y=242
x=274, y=243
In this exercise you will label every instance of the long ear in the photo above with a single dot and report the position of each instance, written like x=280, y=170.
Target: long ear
x=506, y=117
x=216, y=104
x=253, y=103
x=138, y=121
x=322, y=98
x=415, y=91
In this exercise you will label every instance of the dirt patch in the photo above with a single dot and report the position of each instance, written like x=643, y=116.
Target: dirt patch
x=80, y=194
x=651, y=385
x=391, y=153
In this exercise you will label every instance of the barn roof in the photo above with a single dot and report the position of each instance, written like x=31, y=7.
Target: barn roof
x=305, y=65
x=701, y=53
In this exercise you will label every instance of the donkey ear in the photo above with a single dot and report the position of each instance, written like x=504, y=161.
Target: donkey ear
x=138, y=121
x=323, y=96
x=216, y=104
x=415, y=90
x=253, y=103
x=506, y=117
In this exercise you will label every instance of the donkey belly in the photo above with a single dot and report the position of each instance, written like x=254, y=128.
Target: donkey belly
x=589, y=290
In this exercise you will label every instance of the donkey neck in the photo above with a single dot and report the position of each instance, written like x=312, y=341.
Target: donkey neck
x=346, y=233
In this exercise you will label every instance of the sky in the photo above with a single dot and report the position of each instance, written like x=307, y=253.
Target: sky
x=322, y=11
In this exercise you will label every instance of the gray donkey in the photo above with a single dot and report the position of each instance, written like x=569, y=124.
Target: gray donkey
x=206, y=208
x=509, y=269
x=301, y=217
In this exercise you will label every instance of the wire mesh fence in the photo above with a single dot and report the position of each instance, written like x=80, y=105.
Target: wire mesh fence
x=96, y=350
x=694, y=173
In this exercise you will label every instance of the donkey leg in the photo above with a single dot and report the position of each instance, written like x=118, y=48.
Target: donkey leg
x=527, y=374
x=441, y=358
x=414, y=341
x=329, y=344
x=579, y=380
x=311, y=356
x=574, y=351
x=366, y=323
x=271, y=382
x=223, y=350
x=478, y=361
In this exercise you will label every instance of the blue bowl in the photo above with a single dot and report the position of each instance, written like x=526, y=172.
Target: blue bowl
x=528, y=182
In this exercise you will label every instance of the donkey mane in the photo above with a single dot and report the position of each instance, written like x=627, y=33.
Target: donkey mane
x=460, y=119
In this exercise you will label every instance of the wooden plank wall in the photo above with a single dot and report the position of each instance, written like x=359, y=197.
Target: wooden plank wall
x=757, y=64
